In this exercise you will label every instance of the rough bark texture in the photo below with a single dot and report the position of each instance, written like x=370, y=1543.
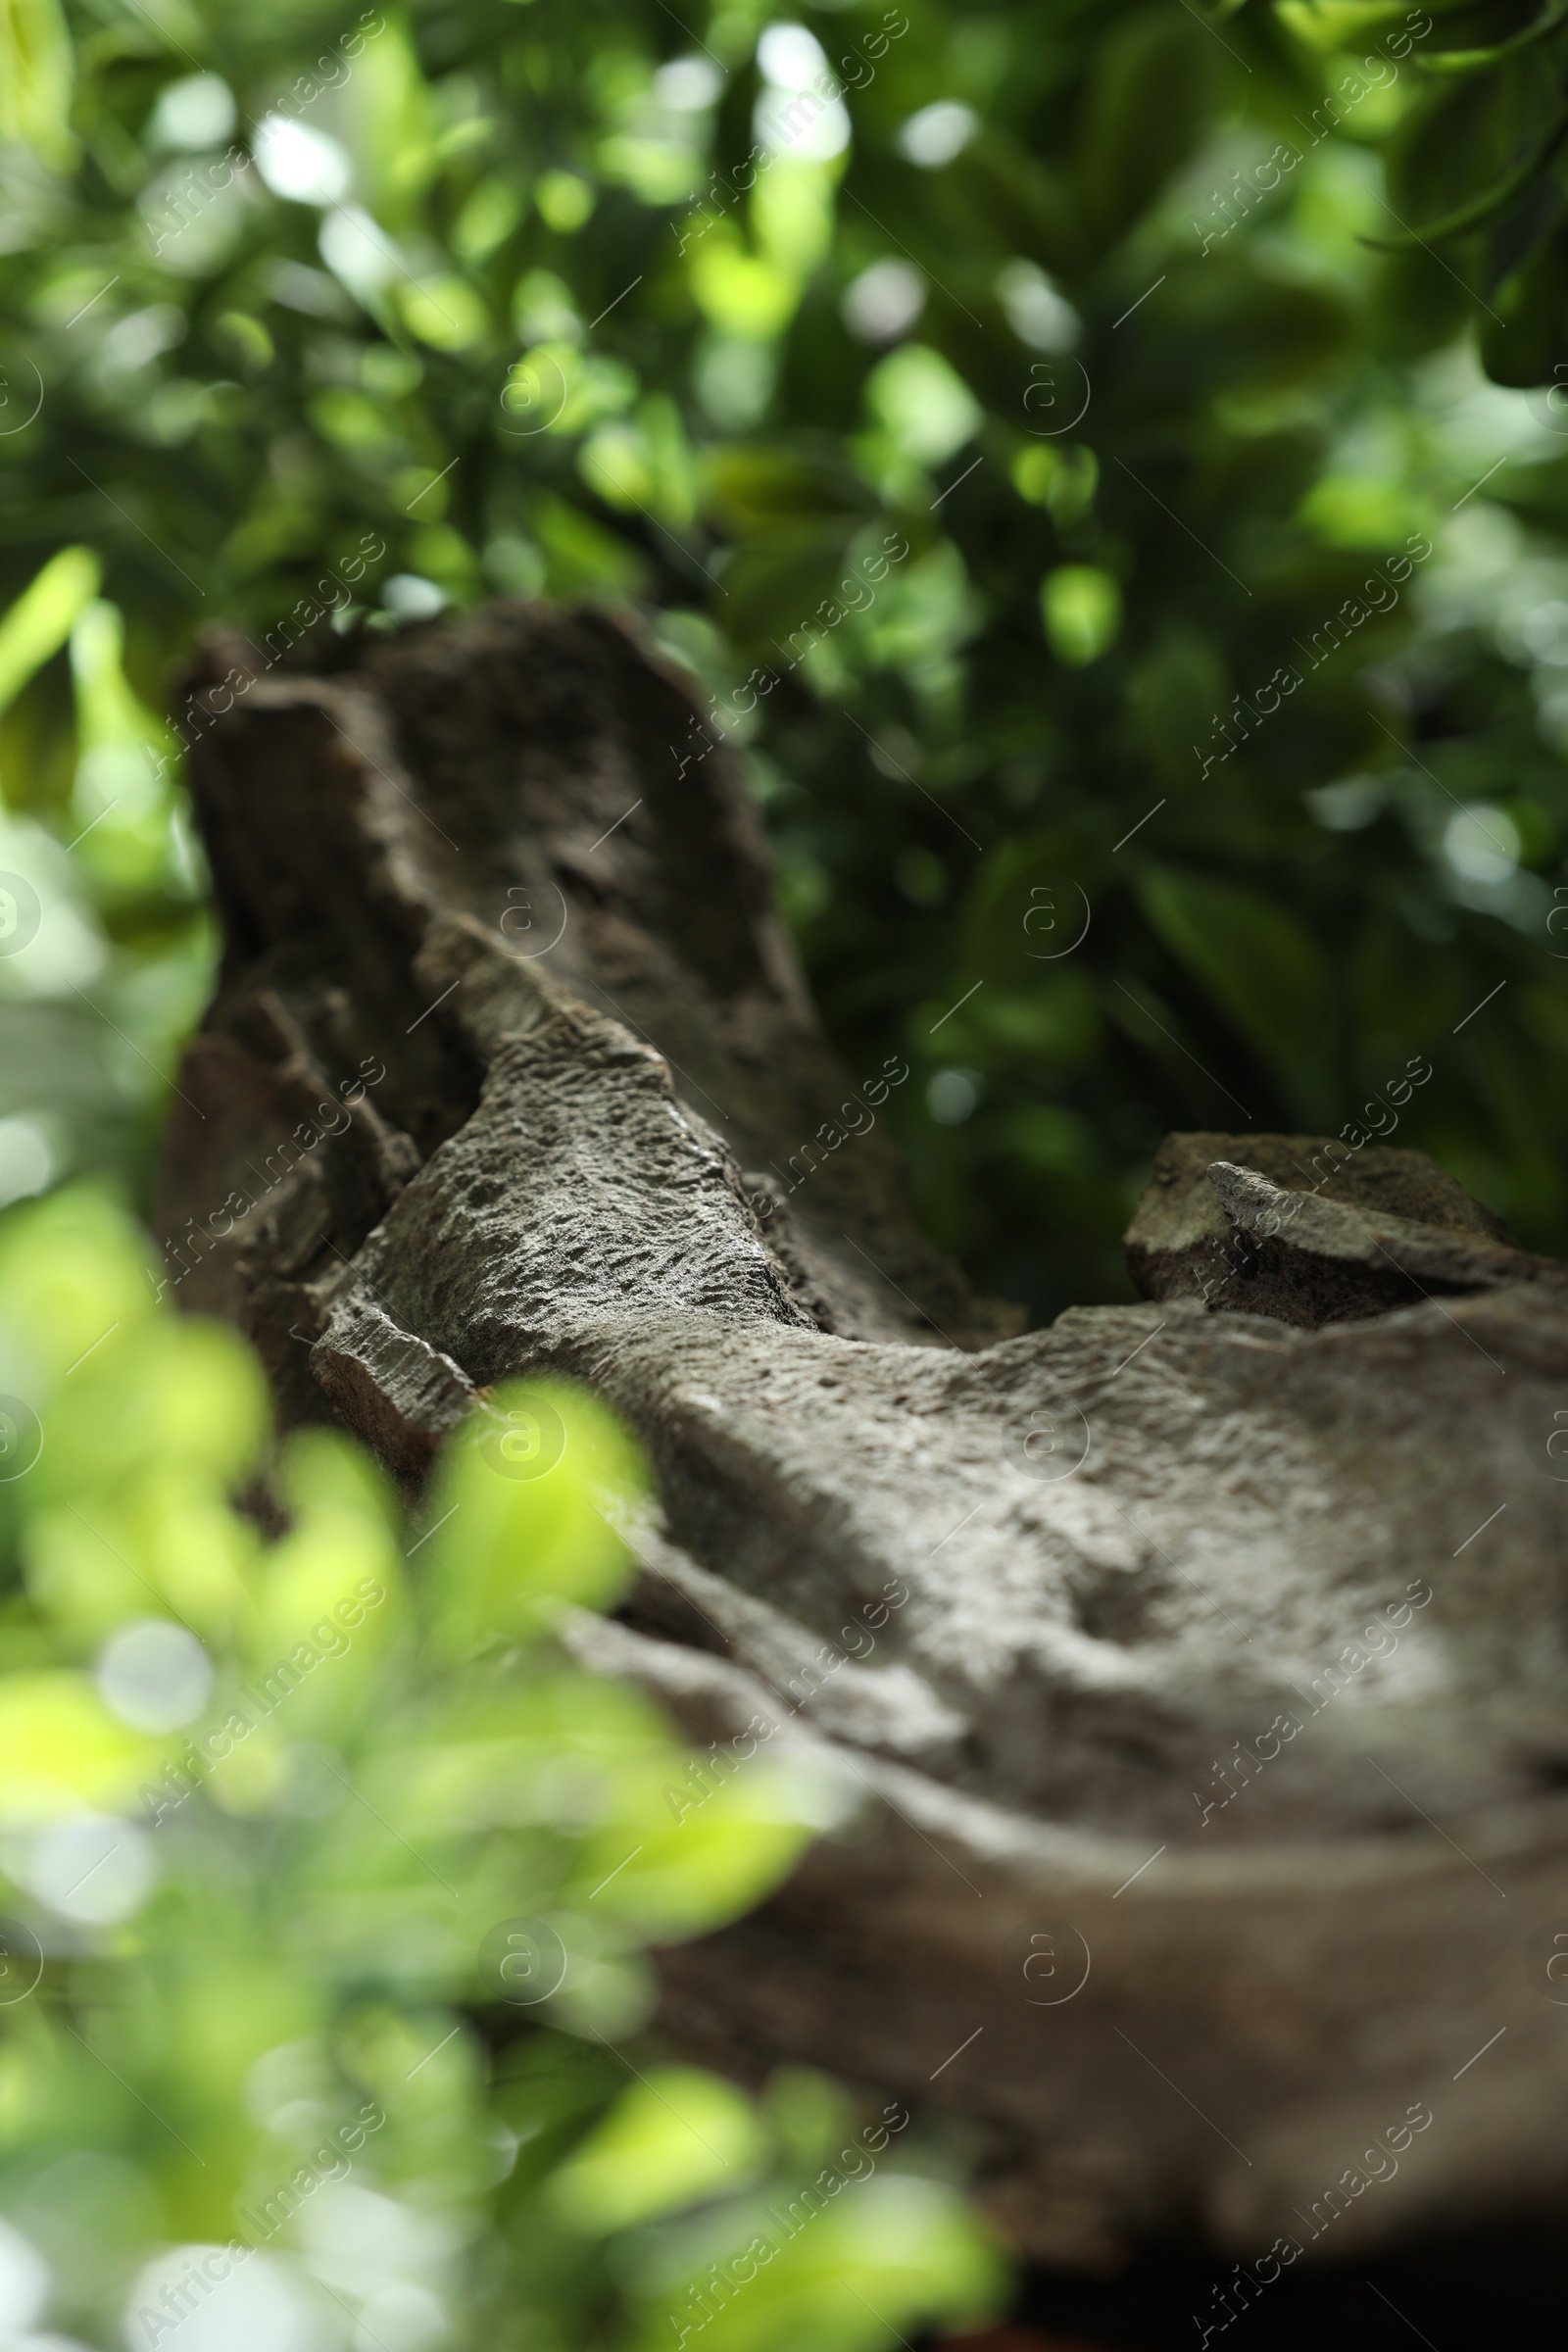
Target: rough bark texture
x=1198, y=1961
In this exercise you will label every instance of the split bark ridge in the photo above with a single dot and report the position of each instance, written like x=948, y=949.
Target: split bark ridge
x=1216, y=1708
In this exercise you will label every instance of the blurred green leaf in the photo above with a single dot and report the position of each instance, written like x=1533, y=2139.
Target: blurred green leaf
x=520, y=1529
x=35, y=78
x=279, y=1816
x=1259, y=963
x=40, y=620
x=670, y=2138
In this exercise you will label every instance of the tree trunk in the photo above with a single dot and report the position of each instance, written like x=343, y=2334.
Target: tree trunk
x=1204, y=1661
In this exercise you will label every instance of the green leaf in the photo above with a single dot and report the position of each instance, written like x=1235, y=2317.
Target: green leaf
x=35, y=78
x=61, y=1751
x=672, y=2137
x=1150, y=83
x=1256, y=960
x=74, y=1272
x=41, y=619
x=1477, y=211
x=925, y=407
x=522, y=1513
x=197, y=1381
x=1081, y=609
x=1463, y=63
x=677, y=1856
x=1526, y=339
x=836, y=2264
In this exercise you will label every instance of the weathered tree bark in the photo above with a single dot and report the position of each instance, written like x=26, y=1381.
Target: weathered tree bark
x=1219, y=1744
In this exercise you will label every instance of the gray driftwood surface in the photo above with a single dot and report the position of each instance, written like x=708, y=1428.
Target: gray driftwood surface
x=1313, y=1482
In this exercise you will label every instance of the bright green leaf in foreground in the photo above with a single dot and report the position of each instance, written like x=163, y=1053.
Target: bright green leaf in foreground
x=672, y=2137
x=328, y=1876
x=524, y=1509
x=40, y=620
